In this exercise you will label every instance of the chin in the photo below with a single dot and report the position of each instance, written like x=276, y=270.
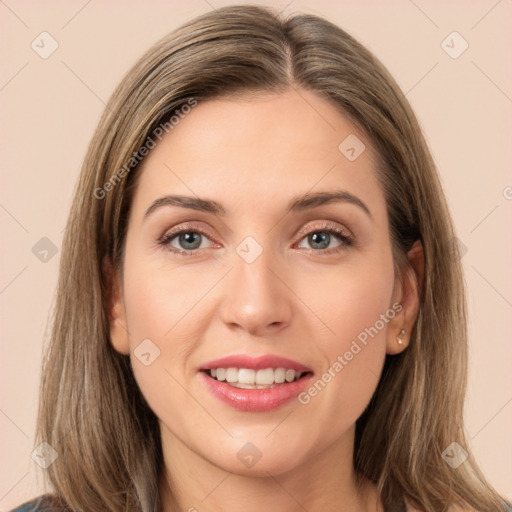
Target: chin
x=258, y=458
x=274, y=466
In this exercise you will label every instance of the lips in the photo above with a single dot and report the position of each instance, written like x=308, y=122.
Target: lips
x=255, y=397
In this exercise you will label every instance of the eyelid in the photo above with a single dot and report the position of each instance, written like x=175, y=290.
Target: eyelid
x=190, y=226
x=325, y=225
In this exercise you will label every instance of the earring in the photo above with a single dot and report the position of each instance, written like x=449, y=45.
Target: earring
x=399, y=337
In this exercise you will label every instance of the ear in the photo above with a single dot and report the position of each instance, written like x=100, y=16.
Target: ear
x=115, y=309
x=407, y=293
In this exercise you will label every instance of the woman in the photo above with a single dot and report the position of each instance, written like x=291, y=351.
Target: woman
x=259, y=306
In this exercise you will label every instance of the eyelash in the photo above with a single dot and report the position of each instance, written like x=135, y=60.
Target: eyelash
x=345, y=239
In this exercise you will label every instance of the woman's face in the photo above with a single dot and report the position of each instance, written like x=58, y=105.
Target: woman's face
x=273, y=270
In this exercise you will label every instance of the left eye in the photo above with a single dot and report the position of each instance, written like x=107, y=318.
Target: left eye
x=321, y=239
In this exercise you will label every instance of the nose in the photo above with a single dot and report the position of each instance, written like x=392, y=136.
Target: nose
x=256, y=299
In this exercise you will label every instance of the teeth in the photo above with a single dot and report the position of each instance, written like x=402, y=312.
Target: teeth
x=280, y=375
x=232, y=375
x=247, y=378
x=265, y=376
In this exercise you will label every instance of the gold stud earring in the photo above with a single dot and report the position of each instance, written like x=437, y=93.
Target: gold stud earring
x=399, y=337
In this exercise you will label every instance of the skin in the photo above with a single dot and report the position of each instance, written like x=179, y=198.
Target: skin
x=254, y=155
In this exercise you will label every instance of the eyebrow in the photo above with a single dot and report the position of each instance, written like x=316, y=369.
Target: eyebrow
x=305, y=202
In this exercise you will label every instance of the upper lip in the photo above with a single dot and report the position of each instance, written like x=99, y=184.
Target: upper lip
x=255, y=363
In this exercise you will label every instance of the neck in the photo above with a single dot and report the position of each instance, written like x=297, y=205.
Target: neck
x=325, y=482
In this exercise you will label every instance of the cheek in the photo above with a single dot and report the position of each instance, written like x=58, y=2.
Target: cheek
x=356, y=306
x=160, y=300
x=163, y=311
x=156, y=316
x=351, y=299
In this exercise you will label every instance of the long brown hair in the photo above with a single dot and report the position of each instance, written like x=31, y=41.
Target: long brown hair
x=91, y=410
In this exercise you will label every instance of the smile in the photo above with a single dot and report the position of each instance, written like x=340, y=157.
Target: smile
x=255, y=384
x=247, y=378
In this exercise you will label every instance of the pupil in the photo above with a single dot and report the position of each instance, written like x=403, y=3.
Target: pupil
x=190, y=238
x=320, y=238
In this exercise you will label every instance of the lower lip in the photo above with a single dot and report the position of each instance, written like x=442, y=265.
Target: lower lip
x=255, y=400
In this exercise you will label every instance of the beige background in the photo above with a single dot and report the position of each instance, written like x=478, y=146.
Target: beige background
x=50, y=107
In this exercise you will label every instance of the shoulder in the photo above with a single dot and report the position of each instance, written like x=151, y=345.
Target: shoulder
x=29, y=506
x=43, y=503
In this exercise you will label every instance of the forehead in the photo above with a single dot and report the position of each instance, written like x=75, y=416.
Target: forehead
x=258, y=151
